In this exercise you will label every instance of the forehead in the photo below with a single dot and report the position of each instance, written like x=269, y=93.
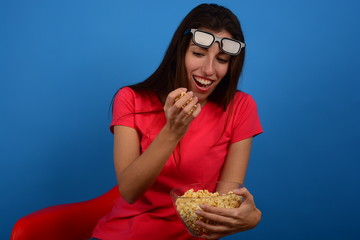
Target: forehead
x=220, y=34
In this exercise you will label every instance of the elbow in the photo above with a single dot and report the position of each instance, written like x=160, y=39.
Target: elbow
x=129, y=200
x=127, y=196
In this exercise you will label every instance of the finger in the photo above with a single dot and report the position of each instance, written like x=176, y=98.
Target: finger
x=183, y=107
x=179, y=96
x=191, y=106
x=220, y=215
x=192, y=110
x=183, y=100
x=216, y=235
x=214, y=231
x=197, y=110
x=212, y=236
x=244, y=192
x=170, y=99
x=214, y=213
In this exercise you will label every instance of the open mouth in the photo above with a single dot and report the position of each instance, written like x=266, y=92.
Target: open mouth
x=202, y=83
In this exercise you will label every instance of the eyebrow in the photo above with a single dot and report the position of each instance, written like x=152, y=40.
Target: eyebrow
x=194, y=45
x=221, y=53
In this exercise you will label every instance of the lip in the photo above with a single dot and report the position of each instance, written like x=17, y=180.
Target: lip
x=200, y=88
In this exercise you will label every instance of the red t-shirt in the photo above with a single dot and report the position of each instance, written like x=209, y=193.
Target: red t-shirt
x=198, y=158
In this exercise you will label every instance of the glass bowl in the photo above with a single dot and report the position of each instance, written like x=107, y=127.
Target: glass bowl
x=187, y=198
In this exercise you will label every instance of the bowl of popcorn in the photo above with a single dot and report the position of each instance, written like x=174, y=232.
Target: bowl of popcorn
x=187, y=199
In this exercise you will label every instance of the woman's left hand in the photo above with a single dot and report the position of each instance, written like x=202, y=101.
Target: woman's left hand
x=230, y=220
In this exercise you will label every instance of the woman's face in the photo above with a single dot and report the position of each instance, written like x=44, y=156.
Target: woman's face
x=206, y=67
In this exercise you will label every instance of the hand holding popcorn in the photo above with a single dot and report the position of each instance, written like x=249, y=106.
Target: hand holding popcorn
x=229, y=221
x=189, y=204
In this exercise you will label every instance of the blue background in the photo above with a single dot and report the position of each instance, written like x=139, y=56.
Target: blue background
x=62, y=61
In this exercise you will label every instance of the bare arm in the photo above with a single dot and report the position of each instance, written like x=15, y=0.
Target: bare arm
x=229, y=220
x=136, y=172
x=234, y=169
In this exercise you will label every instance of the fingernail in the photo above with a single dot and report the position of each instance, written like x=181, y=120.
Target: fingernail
x=237, y=191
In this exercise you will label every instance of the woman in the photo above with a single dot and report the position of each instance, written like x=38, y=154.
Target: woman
x=186, y=123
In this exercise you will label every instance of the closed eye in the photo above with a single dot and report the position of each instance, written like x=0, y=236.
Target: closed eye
x=197, y=54
x=222, y=60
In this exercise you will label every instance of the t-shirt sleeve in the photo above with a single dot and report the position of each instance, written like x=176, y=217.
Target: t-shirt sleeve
x=123, y=109
x=246, y=119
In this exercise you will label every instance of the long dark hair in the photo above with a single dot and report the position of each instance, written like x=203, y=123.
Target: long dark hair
x=171, y=73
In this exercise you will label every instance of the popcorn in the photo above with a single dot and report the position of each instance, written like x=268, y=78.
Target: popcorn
x=189, y=202
x=180, y=96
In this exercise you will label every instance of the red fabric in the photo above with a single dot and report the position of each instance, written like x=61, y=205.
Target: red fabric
x=203, y=150
x=74, y=221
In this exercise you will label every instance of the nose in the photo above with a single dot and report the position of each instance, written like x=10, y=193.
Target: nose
x=209, y=61
x=208, y=66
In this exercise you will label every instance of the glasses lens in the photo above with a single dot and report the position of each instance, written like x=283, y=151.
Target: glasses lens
x=231, y=46
x=204, y=39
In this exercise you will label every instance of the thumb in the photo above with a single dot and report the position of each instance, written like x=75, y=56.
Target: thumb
x=244, y=192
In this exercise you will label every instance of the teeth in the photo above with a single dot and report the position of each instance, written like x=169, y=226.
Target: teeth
x=203, y=81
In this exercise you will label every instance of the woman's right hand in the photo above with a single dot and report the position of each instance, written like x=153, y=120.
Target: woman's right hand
x=180, y=112
x=135, y=170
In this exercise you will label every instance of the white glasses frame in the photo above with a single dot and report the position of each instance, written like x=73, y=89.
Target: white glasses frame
x=216, y=39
